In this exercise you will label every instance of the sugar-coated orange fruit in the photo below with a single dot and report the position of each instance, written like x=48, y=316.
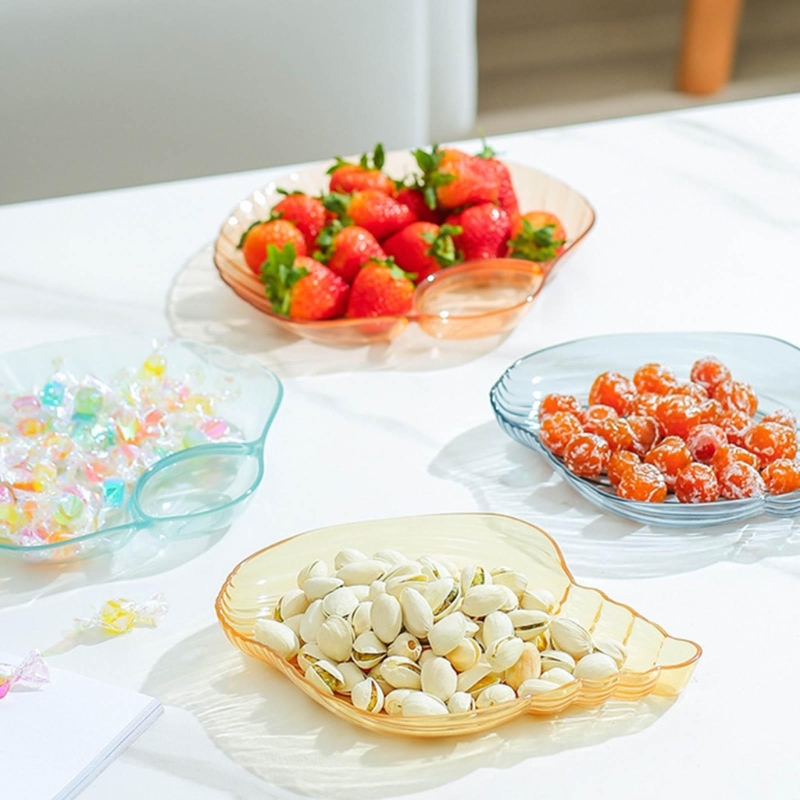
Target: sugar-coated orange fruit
x=587, y=455
x=770, y=441
x=619, y=463
x=704, y=440
x=737, y=395
x=559, y=402
x=669, y=457
x=591, y=416
x=738, y=481
x=782, y=476
x=677, y=415
x=783, y=416
x=735, y=423
x=711, y=412
x=612, y=389
x=645, y=432
x=709, y=372
x=728, y=454
x=654, y=378
x=646, y=404
x=697, y=483
x=557, y=429
x=643, y=482
x=694, y=390
x=617, y=432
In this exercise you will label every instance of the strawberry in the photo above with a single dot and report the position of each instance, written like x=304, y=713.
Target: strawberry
x=367, y=174
x=485, y=231
x=423, y=248
x=260, y=235
x=537, y=236
x=496, y=169
x=414, y=198
x=380, y=214
x=380, y=289
x=345, y=250
x=300, y=287
x=305, y=212
x=451, y=179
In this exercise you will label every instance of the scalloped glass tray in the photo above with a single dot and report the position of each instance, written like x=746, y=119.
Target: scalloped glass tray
x=657, y=663
x=185, y=494
x=768, y=364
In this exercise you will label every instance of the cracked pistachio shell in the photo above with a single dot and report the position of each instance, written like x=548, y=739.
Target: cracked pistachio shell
x=392, y=557
x=528, y=625
x=477, y=678
x=422, y=704
x=439, y=678
x=406, y=645
x=474, y=576
x=368, y=650
x=351, y=674
x=396, y=585
x=482, y=600
x=538, y=600
x=401, y=672
x=460, y=703
x=313, y=617
x=595, y=667
x=450, y=565
x=386, y=617
x=335, y=639
x=308, y=654
x=512, y=601
x=443, y=596
x=292, y=603
x=325, y=676
x=495, y=695
x=497, y=625
x=571, y=637
x=361, y=591
x=472, y=627
x=611, y=647
x=557, y=658
x=278, y=637
x=557, y=675
x=466, y=655
x=447, y=633
x=361, y=618
x=340, y=602
x=317, y=588
x=376, y=588
x=502, y=654
x=505, y=576
x=536, y=686
x=405, y=569
x=365, y=571
x=347, y=556
x=368, y=696
x=393, y=702
x=316, y=569
x=528, y=666
x=376, y=675
x=433, y=569
x=294, y=623
x=426, y=655
x=417, y=614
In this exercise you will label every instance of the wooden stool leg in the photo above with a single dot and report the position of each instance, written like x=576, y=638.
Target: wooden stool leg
x=710, y=30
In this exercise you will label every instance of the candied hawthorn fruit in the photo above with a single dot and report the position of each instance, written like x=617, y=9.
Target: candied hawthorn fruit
x=592, y=416
x=704, y=440
x=559, y=402
x=737, y=395
x=617, y=432
x=770, y=441
x=619, y=463
x=654, y=378
x=643, y=482
x=677, y=415
x=709, y=372
x=612, y=389
x=783, y=416
x=645, y=432
x=586, y=455
x=728, y=454
x=669, y=458
x=739, y=480
x=694, y=390
x=557, y=429
x=696, y=483
x=645, y=405
x=735, y=423
x=711, y=412
x=782, y=476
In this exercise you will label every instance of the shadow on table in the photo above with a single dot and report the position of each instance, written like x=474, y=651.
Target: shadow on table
x=269, y=727
x=201, y=307
x=507, y=478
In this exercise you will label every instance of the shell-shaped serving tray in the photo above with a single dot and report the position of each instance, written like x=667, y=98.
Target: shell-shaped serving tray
x=657, y=663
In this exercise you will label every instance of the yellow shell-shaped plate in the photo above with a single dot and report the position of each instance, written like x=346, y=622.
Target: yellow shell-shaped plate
x=657, y=663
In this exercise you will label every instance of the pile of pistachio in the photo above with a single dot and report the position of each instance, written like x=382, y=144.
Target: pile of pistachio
x=423, y=637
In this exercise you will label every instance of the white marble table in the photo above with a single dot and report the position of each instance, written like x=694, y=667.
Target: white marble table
x=698, y=228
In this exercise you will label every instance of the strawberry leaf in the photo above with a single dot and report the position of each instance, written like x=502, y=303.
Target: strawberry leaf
x=431, y=178
x=535, y=244
x=287, y=193
x=279, y=276
x=326, y=241
x=338, y=162
x=442, y=247
x=378, y=156
x=244, y=235
x=337, y=203
x=487, y=151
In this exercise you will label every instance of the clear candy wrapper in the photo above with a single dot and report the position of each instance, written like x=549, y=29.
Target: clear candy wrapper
x=32, y=673
x=121, y=616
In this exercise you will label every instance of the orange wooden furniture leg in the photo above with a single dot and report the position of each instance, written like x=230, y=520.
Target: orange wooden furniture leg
x=710, y=30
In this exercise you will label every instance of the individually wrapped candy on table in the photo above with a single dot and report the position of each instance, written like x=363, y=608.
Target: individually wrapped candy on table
x=121, y=616
x=32, y=673
x=72, y=448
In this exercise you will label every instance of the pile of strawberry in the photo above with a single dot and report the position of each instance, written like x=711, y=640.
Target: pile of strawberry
x=360, y=249
x=654, y=434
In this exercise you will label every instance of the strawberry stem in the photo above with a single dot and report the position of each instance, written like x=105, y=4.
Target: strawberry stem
x=535, y=244
x=279, y=275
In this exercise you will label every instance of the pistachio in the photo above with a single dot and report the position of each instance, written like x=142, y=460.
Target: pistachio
x=474, y=576
x=368, y=696
x=393, y=702
x=376, y=675
x=465, y=655
x=557, y=658
x=529, y=625
x=505, y=576
x=512, y=601
x=460, y=703
x=335, y=639
x=386, y=617
x=571, y=637
x=477, y=678
x=361, y=618
x=443, y=596
x=502, y=654
x=528, y=666
x=392, y=557
x=482, y=600
x=314, y=617
x=405, y=569
x=397, y=584
x=439, y=678
x=368, y=650
x=361, y=591
x=557, y=675
x=294, y=623
x=406, y=645
x=536, y=686
x=472, y=627
x=351, y=674
x=325, y=676
x=495, y=695
x=497, y=625
x=426, y=655
x=422, y=704
x=316, y=569
x=611, y=647
x=417, y=614
x=452, y=568
x=316, y=588
x=596, y=667
x=376, y=588
x=340, y=602
x=401, y=673
x=433, y=569
x=447, y=633
x=292, y=603
x=538, y=600
x=363, y=571
x=278, y=637
x=347, y=556
x=307, y=655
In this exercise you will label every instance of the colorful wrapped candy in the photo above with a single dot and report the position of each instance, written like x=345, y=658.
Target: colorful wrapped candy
x=121, y=616
x=32, y=673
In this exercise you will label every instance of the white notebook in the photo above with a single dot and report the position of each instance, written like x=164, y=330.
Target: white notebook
x=55, y=740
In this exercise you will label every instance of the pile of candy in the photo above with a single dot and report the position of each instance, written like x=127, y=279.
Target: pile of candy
x=71, y=451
